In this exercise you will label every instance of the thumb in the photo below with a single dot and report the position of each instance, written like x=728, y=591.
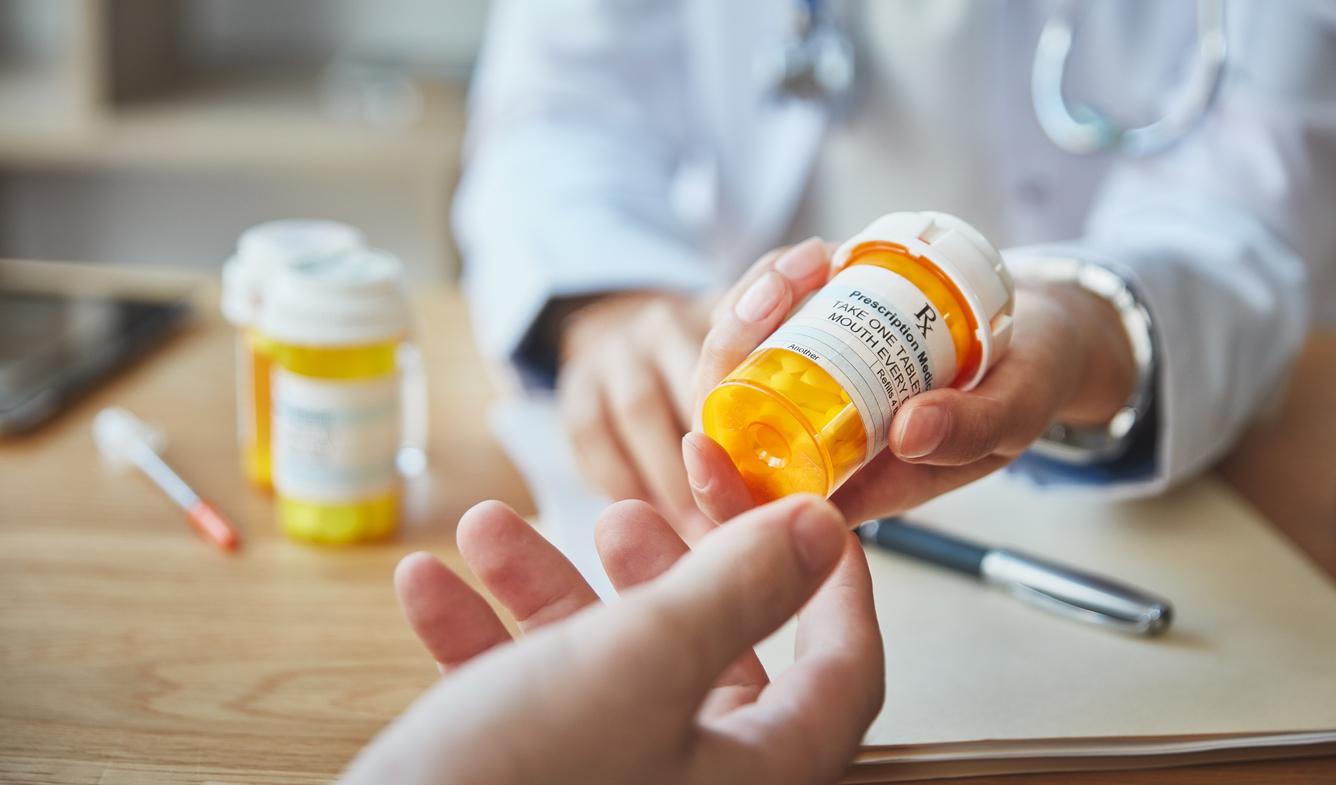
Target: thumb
x=742, y=581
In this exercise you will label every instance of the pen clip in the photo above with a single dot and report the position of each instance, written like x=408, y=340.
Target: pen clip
x=1077, y=595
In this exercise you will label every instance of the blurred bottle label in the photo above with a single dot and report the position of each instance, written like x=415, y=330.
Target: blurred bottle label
x=334, y=441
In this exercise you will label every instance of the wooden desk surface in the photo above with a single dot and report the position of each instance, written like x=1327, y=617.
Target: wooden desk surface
x=134, y=653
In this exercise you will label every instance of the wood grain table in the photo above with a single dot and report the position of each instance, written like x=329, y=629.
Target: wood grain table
x=132, y=652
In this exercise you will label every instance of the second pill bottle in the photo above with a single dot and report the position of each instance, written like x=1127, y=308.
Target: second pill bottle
x=334, y=328
x=918, y=301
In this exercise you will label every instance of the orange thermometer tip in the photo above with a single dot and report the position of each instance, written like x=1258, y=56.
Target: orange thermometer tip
x=212, y=526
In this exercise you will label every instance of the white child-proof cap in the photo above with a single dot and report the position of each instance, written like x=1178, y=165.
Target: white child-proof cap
x=966, y=257
x=349, y=299
x=265, y=247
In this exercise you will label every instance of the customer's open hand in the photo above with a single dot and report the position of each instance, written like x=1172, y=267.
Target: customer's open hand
x=659, y=687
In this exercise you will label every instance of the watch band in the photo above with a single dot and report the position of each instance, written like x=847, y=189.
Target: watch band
x=1088, y=444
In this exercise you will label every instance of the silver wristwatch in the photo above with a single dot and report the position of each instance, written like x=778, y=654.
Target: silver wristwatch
x=1087, y=444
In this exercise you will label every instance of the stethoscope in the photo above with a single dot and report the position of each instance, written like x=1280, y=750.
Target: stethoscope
x=818, y=62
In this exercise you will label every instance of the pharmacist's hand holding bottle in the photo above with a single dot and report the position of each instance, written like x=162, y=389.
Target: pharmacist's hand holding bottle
x=660, y=687
x=1068, y=359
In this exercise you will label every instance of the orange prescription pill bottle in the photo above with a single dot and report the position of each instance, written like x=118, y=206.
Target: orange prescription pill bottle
x=260, y=250
x=334, y=326
x=918, y=300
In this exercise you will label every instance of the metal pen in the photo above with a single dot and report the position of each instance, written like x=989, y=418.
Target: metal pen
x=1066, y=591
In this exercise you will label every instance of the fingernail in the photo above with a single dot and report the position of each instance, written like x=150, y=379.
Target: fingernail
x=802, y=260
x=760, y=298
x=923, y=430
x=695, y=464
x=816, y=538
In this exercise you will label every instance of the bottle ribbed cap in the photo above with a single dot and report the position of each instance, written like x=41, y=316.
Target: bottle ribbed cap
x=267, y=246
x=353, y=298
x=968, y=260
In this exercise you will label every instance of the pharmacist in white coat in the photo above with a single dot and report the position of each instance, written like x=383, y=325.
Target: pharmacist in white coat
x=628, y=159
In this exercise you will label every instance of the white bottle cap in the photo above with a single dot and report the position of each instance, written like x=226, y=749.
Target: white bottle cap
x=966, y=257
x=349, y=299
x=266, y=246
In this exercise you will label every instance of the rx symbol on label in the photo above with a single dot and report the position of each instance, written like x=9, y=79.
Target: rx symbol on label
x=926, y=316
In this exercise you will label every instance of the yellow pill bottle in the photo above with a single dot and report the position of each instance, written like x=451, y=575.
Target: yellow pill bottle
x=334, y=326
x=261, y=250
x=917, y=300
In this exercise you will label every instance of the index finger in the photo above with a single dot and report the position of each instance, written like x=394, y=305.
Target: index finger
x=761, y=267
x=535, y=582
x=755, y=307
x=453, y=622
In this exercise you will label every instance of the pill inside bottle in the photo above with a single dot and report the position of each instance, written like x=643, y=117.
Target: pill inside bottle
x=917, y=301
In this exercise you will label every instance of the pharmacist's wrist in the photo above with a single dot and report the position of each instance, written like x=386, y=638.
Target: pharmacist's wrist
x=1106, y=373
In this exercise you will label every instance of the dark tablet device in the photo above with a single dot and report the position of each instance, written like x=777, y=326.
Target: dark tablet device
x=54, y=346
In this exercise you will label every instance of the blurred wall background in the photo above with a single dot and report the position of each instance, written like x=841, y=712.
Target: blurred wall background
x=154, y=131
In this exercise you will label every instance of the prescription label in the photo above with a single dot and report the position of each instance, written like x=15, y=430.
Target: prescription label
x=334, y=440
x=878, y=336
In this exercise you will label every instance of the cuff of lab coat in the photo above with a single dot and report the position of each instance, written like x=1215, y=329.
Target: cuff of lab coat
x=1134, y=473
x=507, y=315
x=535, y=355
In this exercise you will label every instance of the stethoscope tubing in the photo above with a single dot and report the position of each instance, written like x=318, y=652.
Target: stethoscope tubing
x=1082, y=130
x=818, y=61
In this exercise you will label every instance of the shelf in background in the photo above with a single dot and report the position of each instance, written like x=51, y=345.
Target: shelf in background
x=37, y=101
x=158, y=129
x=269, y=118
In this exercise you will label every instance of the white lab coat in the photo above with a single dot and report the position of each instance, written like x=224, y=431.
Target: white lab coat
x=627, y=144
